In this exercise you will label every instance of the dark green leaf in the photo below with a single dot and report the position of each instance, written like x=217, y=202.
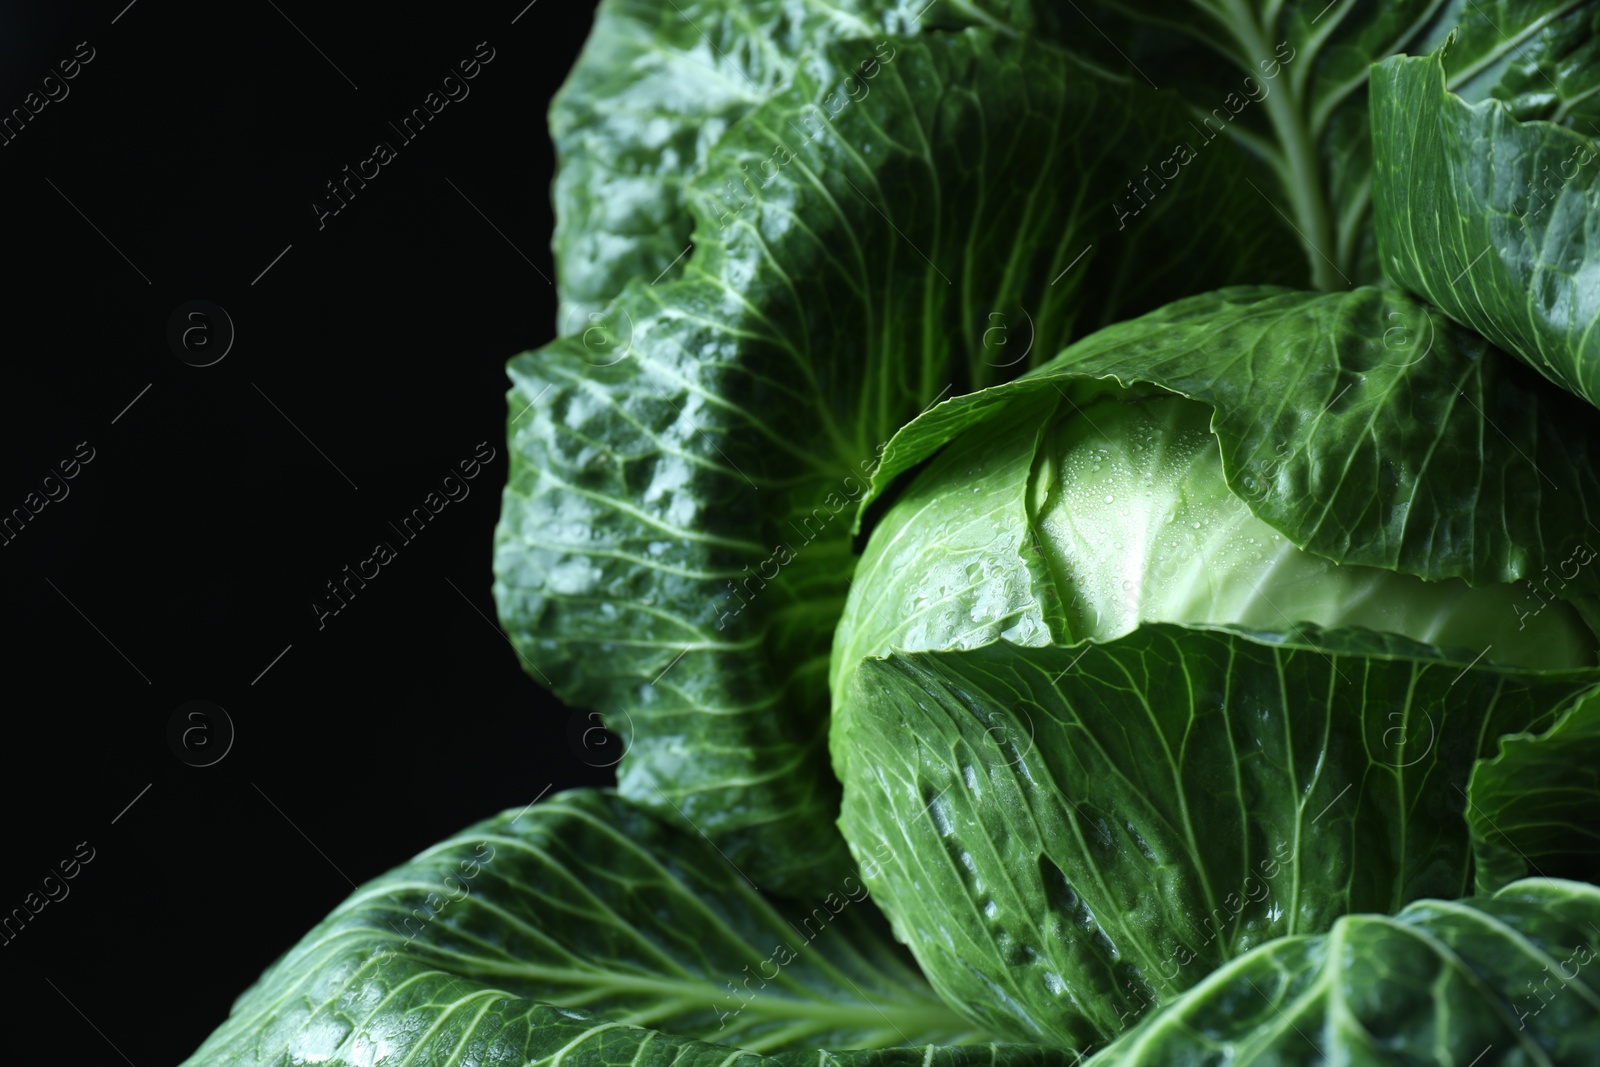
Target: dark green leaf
x=1069, y=836
x=656, y=86
x=1532, y=807
x=1502, y=981
x=1493, y=220
x=1288, y=79
x=584, y=931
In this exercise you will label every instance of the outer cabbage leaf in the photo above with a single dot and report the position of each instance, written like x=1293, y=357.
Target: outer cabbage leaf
x=656, y=86
x=1484, y=982
x=1075, y=835
x=1494, y=220
x=585, y=931
x=670, y=549
x=1532, y=807
x=1288, y=79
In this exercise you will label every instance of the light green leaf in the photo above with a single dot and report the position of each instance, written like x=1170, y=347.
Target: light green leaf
x=1364, y=426
x=1532, y=807
x=1494, y=220
x=1074, y=835
x=585, y=931
x=1500, y=981
x=673, y=548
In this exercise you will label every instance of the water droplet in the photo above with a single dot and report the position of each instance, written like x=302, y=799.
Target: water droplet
x=940, y=811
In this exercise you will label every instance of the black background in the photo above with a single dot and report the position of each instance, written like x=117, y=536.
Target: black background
x=367, y=362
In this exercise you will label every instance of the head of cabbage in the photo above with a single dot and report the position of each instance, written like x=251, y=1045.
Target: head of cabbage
x=1124, y=693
